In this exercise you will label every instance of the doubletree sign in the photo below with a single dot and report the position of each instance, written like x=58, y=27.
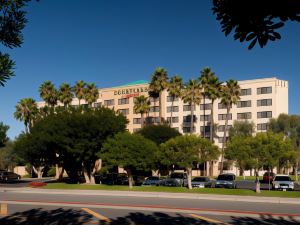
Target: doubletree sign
x=131, y=92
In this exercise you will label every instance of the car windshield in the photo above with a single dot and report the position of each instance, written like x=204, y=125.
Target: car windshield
x=201, y=179
x=225, y=177
x=177, y=175
x=153, y=178
x=282, y=178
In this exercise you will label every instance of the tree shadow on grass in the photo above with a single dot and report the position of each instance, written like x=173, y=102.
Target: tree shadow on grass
x=39, y=216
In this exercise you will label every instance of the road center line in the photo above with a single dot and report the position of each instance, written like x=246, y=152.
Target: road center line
x=208, y=219
x=97, y=215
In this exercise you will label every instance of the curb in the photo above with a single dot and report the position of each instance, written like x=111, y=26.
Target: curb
x=234, y=198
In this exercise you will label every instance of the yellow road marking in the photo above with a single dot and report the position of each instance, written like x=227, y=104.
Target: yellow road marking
x=3, y=209
x=208, y=219
x=97, y=215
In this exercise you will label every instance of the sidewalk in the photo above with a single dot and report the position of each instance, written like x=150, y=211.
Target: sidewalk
x=235, y=198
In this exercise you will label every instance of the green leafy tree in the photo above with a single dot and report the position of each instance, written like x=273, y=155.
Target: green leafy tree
x=65, y=94
x=175, y=87
x=26, y=111
x=192, y=95
x=91, y=94
x=49, y=93
x=187, y=150
x=141, y=106
x=211, y=89
x=12, y=22
x=159, y=82
x=132, y=152
x=230, y=94
x=3, y=134
x=241, y=128
x=79, y=90
x=255, y=20
x=8, y=157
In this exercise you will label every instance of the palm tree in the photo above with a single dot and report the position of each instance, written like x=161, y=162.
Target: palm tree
x=211, y=88
x=91, y=94
x=79, y=90
x=65, y=94
x=175, y=87
x=48, y=93
x=230, y=94
x=192, y=95
x=142, y=106
x=158, y=84
x=26, y=111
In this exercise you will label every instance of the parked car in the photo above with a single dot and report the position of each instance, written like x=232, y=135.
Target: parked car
x=176, y=180
x=7, y=176
x=138, y=180
x=226, y=181
x=282, y=182
x=201, y=182
x=268, y=176
x=152, y=181
x=115, y=179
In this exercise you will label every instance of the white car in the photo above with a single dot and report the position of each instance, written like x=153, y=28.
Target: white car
x=282, y=182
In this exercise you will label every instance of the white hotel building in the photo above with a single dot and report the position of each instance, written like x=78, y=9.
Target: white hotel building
x=261, y=99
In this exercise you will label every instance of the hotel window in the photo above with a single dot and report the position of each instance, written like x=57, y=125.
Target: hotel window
x=188, y=108
x=205, y=107
x=109, y=102
x=171, y=98
x=97, y=104
x=152, y=120
x=136, y=130
x=124, y=111
x=246, y=91
x=264, y=90
x=221, y=128
x=187, y=129
x=136, y=120
x=265, y=114
x=243, y=104
x=262, y=126
x=154, y=109
x=222, y=106
x=187, y=119
x=224, y=116
x=123, y=101
x=264, y=102
x=205, y=118
x=244, y=116
x=175, y=109
x=205, y=131
x=174, y=119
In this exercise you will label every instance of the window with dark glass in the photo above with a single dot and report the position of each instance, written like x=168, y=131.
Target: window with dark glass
x=175, y=109
x=174, y=119
x=264, y=90
x=136, y=120
x=243, y=104
x=124, y=111
x=264, y=102
x=171, y=98
x=244, y=116
x=123, y=101
x=188, y=107
x=265, y=114
x=205, y=106
x=154, y=109
x=246, y=92
x=262, y=126
x=205, y=118
x=221, y=128
x=109, y=102
x=224, y=116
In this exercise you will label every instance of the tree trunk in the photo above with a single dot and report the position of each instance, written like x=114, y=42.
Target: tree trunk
x=97, y=167
x=59, y=170
x=189, y=177
x=224, y=139
x=296, y=171
x=79, y=101
x=212, y=121
x=204, y=116
x=142, y=120
x=86, y=174
x=257, y=186
x=192, y=119
x=160, y=107
x=130, y=178
x=171, y=122
x=39, y=171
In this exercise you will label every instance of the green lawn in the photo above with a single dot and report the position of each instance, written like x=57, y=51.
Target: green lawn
x=290, y=194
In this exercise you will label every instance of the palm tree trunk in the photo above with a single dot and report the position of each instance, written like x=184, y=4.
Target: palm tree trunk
x=142, y=120
x=192, y=119
x=79, y=101
x=171, y=122
x=224, y=139
x=204, y=115
x=212, y=121
x=189, y=177
x=160, y=107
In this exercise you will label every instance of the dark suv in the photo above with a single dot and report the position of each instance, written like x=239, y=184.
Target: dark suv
x=226, y=181
x=7, y=176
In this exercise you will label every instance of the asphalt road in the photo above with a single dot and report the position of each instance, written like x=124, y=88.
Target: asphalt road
x=76, y=209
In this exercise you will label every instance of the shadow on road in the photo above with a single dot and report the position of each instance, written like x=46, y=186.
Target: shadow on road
x=70, y=216
x=47, y=217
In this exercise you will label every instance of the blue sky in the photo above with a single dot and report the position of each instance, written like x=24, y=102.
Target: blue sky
x=113, y=42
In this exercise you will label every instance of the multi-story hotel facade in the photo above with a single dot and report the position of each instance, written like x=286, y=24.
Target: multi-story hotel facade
x=260, y=100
